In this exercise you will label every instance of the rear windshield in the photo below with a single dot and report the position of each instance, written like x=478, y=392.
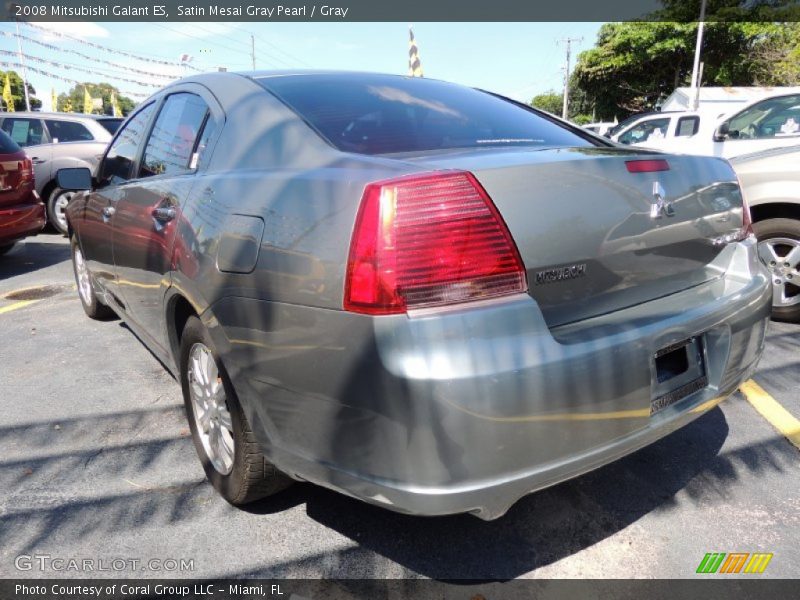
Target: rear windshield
x=7, y=145
x=111, y=125
x=382, y=114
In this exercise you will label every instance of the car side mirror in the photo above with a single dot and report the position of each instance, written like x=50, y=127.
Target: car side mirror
x=74, y=179
x=722, y=132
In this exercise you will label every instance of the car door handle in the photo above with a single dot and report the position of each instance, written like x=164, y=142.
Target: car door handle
x=37, y=161
x=164, y=213
x=108, y=212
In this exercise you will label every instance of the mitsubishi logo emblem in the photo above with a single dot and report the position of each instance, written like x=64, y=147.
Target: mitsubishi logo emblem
x=660, y=206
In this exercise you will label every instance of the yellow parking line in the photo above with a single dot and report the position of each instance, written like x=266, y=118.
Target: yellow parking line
x=780, y=418
x=16, y=305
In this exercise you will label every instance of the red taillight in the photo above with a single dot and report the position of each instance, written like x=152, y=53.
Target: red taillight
x=429, y=240
x=25, y=170
x=747, y=219
x=646, y=166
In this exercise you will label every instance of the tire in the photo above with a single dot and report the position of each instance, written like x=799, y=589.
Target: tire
x=93, y=308
x=7, y=248
x=242, y=474
x=56, y=204
x=777, y=238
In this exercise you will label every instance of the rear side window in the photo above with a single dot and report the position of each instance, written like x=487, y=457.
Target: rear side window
x=25, y=132
x=7, y=145
x=374, y=114
x=172, y=140
x=68, y=131
x=687, y=126
x=118, y=163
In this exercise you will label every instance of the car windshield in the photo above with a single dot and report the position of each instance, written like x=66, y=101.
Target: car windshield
x=774, y=117
x=110, y=125
x=382, y=114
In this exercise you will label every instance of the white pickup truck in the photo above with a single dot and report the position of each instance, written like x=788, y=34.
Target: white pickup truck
x=771, y=122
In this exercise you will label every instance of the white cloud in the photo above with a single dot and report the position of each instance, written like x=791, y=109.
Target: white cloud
x=80, y=29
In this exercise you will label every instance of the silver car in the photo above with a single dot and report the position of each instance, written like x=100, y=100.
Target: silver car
x=55, y=141
x=422, y=295
x=770, y=181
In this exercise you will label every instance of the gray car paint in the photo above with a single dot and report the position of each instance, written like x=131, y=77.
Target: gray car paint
x=461, y=409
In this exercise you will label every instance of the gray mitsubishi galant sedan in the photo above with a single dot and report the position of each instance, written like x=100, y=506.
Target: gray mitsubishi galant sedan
x=425, y=296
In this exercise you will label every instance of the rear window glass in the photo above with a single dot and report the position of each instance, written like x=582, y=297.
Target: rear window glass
x=111, y=125
x=7, y=145
x=373, y=114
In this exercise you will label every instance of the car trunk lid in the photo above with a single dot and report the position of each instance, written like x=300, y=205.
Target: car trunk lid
x=584, y=225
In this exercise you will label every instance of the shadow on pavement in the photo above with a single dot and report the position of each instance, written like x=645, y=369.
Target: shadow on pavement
x=30, y=255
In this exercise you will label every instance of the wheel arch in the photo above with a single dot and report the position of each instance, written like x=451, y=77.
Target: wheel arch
x=775, y=210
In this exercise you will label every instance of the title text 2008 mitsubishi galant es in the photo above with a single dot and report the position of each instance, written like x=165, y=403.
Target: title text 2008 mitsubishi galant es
x=422, y=295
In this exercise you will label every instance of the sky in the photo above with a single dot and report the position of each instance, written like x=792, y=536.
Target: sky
x=518, y=60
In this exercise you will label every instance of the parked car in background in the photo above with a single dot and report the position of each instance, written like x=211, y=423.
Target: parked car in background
x=771, y=184
x=772, y=122
x=58, y=140
x=22, y=212
x=425, y=296
x=599, y=128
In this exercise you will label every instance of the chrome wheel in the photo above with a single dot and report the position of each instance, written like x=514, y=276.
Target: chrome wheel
x=782, y=257
x=211, y=415
x=82, y=275
x=60, y=207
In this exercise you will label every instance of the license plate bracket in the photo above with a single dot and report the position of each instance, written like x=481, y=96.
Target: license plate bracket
x=678, y=371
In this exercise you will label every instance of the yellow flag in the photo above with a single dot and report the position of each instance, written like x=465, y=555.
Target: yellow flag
x=117, y=111
x=54, y=99
x=8, y=100
x=414, y=63
x=87, y=101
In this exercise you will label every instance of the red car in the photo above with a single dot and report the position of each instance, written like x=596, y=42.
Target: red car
x=22, y=212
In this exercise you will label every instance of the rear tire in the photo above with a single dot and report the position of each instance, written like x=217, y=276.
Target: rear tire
x=7, y=248
x=93, y=308
x=779, y=250
x=241, y=473
x=56, y=205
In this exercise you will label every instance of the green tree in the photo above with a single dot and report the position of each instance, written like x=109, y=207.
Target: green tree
x=635, y=64
x=72, y=101
x=18, y=91
x=551, y=101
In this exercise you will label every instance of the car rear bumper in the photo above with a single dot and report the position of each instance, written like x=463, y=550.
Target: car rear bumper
x=21, y=220
x=469, y=409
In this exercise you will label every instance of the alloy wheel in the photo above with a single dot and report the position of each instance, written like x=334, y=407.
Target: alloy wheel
x=211, y=415
x=782, y=257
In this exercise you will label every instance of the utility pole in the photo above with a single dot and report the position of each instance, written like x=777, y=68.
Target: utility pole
x=696, y=72
x=24, y=71
x=253, y=50
x=568, y=41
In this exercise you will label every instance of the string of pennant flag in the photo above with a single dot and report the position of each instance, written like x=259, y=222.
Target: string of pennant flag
x=110, y=63
x=66, y=67
x=17, y=65
x=108, y=49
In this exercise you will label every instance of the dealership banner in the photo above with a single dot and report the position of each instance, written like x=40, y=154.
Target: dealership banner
x=394, y=10
x=393, y=589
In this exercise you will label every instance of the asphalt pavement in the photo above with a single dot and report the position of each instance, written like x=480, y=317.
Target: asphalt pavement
x=96, y=464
